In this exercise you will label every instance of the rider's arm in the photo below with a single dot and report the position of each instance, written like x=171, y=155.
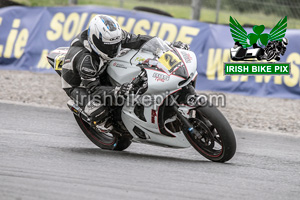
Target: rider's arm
x=89, y=69
x=133, y=41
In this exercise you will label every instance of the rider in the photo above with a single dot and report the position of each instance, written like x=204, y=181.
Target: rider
x=84, y=71
x=275, y=48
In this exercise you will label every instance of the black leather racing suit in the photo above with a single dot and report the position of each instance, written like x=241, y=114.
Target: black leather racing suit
x=83, y=67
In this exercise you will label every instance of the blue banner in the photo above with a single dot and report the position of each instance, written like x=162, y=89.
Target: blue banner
x=28, y=34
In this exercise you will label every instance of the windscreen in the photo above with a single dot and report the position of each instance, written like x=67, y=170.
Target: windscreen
x=155, y=45
x=167, y=60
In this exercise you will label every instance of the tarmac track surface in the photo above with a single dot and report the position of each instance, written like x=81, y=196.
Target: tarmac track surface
x=44, y=155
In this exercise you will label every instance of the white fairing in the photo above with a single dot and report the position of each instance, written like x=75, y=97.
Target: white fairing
x=123, y=69
x=250, y=53
x=234, y=51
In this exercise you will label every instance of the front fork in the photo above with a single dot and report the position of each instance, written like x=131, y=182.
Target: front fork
x=183, y=109
x=187, y=126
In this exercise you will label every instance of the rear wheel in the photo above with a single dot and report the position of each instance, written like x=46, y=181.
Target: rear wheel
x=110, y=141
x=217, y=141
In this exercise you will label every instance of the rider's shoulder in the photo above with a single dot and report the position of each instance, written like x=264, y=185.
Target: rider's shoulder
x=125, y=34
x=79, y=39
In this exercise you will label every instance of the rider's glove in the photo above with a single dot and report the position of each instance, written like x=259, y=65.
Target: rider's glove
x=181, y=45
x=123, y=90
x=91, y=84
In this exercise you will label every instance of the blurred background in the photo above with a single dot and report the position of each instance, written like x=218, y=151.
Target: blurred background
x=248, y=12
x=242, y=111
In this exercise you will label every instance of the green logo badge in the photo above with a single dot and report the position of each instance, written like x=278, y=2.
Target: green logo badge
x=239, y=34
x=265, y=46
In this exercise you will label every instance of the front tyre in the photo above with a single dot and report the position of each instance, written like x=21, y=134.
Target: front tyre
x=217, y=141
x=109, y=141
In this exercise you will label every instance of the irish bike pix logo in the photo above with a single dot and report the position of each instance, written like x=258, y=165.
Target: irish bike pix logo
x=259, y=49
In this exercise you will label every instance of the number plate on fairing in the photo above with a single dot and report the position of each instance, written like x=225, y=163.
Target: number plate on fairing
x=169, y=60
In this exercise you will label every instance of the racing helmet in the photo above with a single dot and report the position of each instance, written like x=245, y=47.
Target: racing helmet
x=285, y=41
x=105, y=36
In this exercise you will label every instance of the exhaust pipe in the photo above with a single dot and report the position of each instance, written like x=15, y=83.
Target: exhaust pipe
x=78, y=111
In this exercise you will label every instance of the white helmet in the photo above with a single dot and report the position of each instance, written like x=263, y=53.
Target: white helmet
x=105, y=36
x=285, y=41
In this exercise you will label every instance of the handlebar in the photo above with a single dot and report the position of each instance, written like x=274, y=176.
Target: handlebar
x=139, y=83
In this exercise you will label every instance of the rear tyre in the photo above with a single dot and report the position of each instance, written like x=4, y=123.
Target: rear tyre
x=217, y=142
x=109, y=141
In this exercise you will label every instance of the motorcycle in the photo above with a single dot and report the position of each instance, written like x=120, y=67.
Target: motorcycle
x=177, y=119
x=274, y=49
x=238, y=53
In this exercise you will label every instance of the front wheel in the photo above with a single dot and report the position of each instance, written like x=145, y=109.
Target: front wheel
x=109, y=141
x=216, y=141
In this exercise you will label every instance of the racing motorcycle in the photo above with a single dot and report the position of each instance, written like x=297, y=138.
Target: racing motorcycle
x=177, y=119
x=274, y=49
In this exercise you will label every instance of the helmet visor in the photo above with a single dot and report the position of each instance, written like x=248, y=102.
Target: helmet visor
x=111, y=50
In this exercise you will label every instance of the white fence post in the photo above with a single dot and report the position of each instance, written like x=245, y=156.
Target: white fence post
x=196, y=8
x=72, y=2
x=218, y=10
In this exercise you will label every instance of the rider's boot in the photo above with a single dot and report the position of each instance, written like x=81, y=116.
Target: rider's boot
x=94, y=113
x=99, y=115
x=105, y=125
